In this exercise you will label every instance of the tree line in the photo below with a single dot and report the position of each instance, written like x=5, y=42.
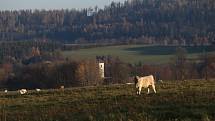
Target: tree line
x=136, y=21
x=180, y=67
x=70, y=73
x=17, y=51
x=65, y=72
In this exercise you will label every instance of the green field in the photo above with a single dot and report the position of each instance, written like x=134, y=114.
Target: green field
x=175, y=101
x=136, y=53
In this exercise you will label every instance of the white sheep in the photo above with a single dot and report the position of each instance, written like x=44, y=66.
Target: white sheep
x=144, y=82
x=129, y=83
x=62, y=87
x=22, y=91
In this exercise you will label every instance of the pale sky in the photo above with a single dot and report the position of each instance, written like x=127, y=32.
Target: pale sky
x=52, y=4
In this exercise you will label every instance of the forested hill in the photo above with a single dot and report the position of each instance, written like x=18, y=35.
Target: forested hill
x=147, y=21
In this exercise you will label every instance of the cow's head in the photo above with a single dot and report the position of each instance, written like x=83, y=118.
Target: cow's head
x=136, y=78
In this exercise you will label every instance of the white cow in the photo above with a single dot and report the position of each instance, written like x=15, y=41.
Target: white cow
x=22, y=91
x=144, y=82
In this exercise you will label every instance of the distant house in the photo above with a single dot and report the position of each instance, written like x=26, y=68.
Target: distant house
x=91, y=11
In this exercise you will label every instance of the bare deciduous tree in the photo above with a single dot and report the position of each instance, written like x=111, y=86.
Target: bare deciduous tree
x=179, y=64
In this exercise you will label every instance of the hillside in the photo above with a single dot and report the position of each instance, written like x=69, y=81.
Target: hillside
x=137, y=53
x=183, y=101
x=137, y=21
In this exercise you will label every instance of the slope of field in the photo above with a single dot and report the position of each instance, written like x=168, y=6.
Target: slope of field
x=136, y=53
x=181, y=101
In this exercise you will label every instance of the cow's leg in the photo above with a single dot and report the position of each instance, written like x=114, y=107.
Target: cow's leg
x=140, y=90
x=137, y=90
x=148, y=91
x=153, y=86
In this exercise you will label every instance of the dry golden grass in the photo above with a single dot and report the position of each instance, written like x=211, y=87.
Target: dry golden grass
x=183, y=101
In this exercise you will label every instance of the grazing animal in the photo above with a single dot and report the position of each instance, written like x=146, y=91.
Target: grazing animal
x=129, y=83
x=22, y=91
x=38, y=90
x=5, y=91
x=144, y=82
x=62, y=87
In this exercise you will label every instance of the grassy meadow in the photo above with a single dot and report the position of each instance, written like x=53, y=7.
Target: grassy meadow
x=175, y=101
x=136, y=53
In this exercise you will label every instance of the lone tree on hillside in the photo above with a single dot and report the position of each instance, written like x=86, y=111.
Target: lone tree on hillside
x=207, y=65
x=118, y=71
x=179, y=63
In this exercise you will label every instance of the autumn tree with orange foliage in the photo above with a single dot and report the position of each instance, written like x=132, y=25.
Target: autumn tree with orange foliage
x=87, y=73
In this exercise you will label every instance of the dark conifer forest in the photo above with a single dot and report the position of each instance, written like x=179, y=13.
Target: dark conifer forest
x=145, y=21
